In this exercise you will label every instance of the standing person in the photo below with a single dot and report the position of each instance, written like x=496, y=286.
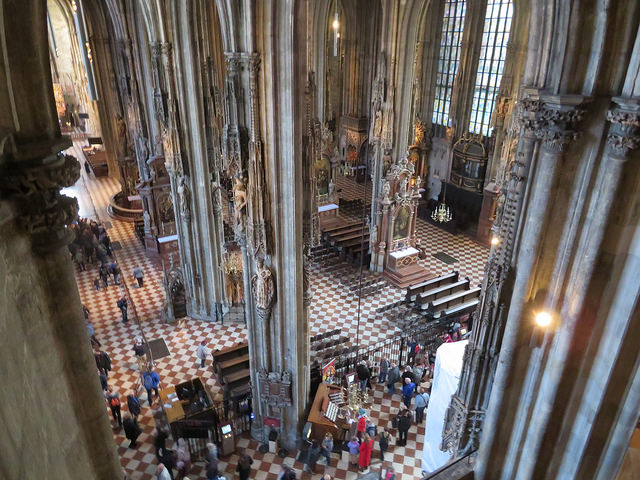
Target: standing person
x=140, y=350
x=327, y=447
x=79, y=258
x=131, y=430
x=104, y=275
x=202, y=353
x=408, y=373
x=407, y=392
x=404, y=424
x=133, y=403
x=96, y=283
x=106, y=241
x=422, y=398
x=384, y=443
x=103, y=381
x=183, y=463
x=363, y=375
x=244, y=466
x=115, y=271
x=113, y=399
x=361, y=426
x=384, y=368
x=160, y=442
x=162, y=473
x=312, y=457
x=123, y=305
x=138, y=274
x=411, y=345
x=211, y=468
x=92, y=335
x=394, y=376
x=151, y=381
x=354, y=448
x=366, y=447
x=390, y=474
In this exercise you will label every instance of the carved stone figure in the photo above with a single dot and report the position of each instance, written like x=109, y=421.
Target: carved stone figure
x=143, y=148
x=147, y=221
x=121, y=132
x=332, y=187
x=184, y=197
x=377, y=129
x=263, y=287
x=386, y=188
x=404, y=184
x=239, y=200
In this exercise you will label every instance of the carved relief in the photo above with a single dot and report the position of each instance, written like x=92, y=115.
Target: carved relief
x=624, y=132
x=263, y=287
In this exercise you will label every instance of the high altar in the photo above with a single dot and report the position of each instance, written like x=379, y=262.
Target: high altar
x=393, y=242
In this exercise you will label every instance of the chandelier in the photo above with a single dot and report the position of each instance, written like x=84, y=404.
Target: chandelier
x=441, y=214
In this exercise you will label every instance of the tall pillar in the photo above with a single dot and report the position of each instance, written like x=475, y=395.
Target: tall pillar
x=465, y=416
x=49, y=387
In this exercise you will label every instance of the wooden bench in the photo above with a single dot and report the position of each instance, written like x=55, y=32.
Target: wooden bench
x=327, y=231
x=461, y=308
x=413, y=290
x=335, y=236
x=447, y=303
x=232, y=378
x=424, y=298
x=354, y=242
x=232, y=362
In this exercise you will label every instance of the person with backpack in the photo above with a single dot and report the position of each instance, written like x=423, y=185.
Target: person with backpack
x=422, y=398
x=123, y=306
x=151, y=381
x=134, y=405
x=113, y=399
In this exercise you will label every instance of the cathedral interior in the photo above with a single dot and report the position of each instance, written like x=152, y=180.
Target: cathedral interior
x=298, y=192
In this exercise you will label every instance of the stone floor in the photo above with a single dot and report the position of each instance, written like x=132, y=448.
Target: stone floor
x=332, y=307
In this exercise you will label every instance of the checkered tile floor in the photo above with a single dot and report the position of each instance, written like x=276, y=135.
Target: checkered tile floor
x=332, y=306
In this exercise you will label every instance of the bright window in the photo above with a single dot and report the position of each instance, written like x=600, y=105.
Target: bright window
x=497, y=25
x=449, y=59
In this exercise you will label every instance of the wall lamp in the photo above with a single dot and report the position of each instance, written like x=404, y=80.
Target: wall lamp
x=542, y=323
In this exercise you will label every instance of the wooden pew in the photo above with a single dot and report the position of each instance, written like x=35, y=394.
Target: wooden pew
x=447, y=303
x=231, y=360
x=413, y=290
x=423, y=299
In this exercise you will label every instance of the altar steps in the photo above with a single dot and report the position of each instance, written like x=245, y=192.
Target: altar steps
x=411, y=275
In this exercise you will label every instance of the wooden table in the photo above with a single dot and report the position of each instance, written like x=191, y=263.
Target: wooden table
x=168, y=396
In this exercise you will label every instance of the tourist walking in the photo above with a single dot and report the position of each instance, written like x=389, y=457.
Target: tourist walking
x=407, y=392
x=96, y=283
x=404, y=424
x=327, y=447
x=202, y=353
x=131, y=430
x=151, y=381
x=183, y=457
x=421, y=401
x=123, y=305
x=113, y=399
x=363, y=375
x=394, y=376
x=366, y=447
x=361, y=425
x=244, y=466
x=384, y=368
x=104, y=275
x=138, y=274
x=354, y=448
x=384, y=443
x=133, y=403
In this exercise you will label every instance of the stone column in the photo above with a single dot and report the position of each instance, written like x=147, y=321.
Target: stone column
x=465, y=416
x=555, y=122
x=49, y=383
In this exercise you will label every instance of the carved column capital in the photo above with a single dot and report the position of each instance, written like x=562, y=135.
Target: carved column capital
x=33, y=186
x=556, y=121
x=159, y=49
x=233, y=61
x=624, y=129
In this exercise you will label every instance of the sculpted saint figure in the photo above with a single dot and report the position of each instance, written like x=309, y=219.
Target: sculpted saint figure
x=239, y=199
x=263, y=286
x=183, y=194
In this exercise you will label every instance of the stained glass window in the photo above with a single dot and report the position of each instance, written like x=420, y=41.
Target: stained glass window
x=495, y=37
x=449, y=59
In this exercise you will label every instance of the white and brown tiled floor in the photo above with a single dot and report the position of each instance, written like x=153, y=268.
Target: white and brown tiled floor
x=332, y=307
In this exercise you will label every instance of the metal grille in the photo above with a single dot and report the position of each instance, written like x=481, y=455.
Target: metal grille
x=497, y=26
x=449, y=59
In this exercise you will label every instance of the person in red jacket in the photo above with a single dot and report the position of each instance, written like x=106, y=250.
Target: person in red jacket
x=361, y=426
x=366, y=447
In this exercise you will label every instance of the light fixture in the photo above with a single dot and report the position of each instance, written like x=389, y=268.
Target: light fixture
x=543, y=319
x=74, y=6
x=336, y=34
x=441, y=213
x=89, y=53
x=336, y=23
x=495, y=240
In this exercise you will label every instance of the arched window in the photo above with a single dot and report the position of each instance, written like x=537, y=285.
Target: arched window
x=449, y=59
x=495, y=37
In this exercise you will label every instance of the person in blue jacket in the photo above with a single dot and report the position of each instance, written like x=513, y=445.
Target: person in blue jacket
x=151, y=381
x=407, y=392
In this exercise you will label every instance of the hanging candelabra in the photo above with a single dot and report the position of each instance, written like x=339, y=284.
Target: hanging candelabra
x=442, y=213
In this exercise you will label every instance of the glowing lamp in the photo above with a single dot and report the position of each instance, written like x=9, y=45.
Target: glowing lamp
x=335, y=24
x=543, y=319
x=495, y=240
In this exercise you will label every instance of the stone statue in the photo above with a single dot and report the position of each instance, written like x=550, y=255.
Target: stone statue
x=377, y=129
x=239, y=199
x=263, y=287
x=386, y=188
x=147, y=221
x=404, y=184
x=332, y=187
x=143, y=148
x=121, y=132
x=416, y=186
x=184, y=196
